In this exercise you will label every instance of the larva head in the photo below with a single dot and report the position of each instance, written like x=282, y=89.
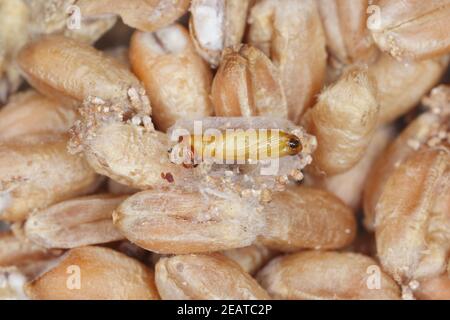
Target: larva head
x=293, y=145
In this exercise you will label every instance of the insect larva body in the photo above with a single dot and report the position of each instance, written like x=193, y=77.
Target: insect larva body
x=239, y=146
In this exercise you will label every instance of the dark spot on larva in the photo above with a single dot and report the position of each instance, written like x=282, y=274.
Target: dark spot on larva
x=294, y=143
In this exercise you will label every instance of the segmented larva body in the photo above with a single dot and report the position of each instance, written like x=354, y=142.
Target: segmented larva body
x=242, y=146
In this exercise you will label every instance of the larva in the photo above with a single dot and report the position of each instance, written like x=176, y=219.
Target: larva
x=239, y=146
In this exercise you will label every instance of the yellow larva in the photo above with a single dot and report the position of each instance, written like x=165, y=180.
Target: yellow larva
x=239, y=146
